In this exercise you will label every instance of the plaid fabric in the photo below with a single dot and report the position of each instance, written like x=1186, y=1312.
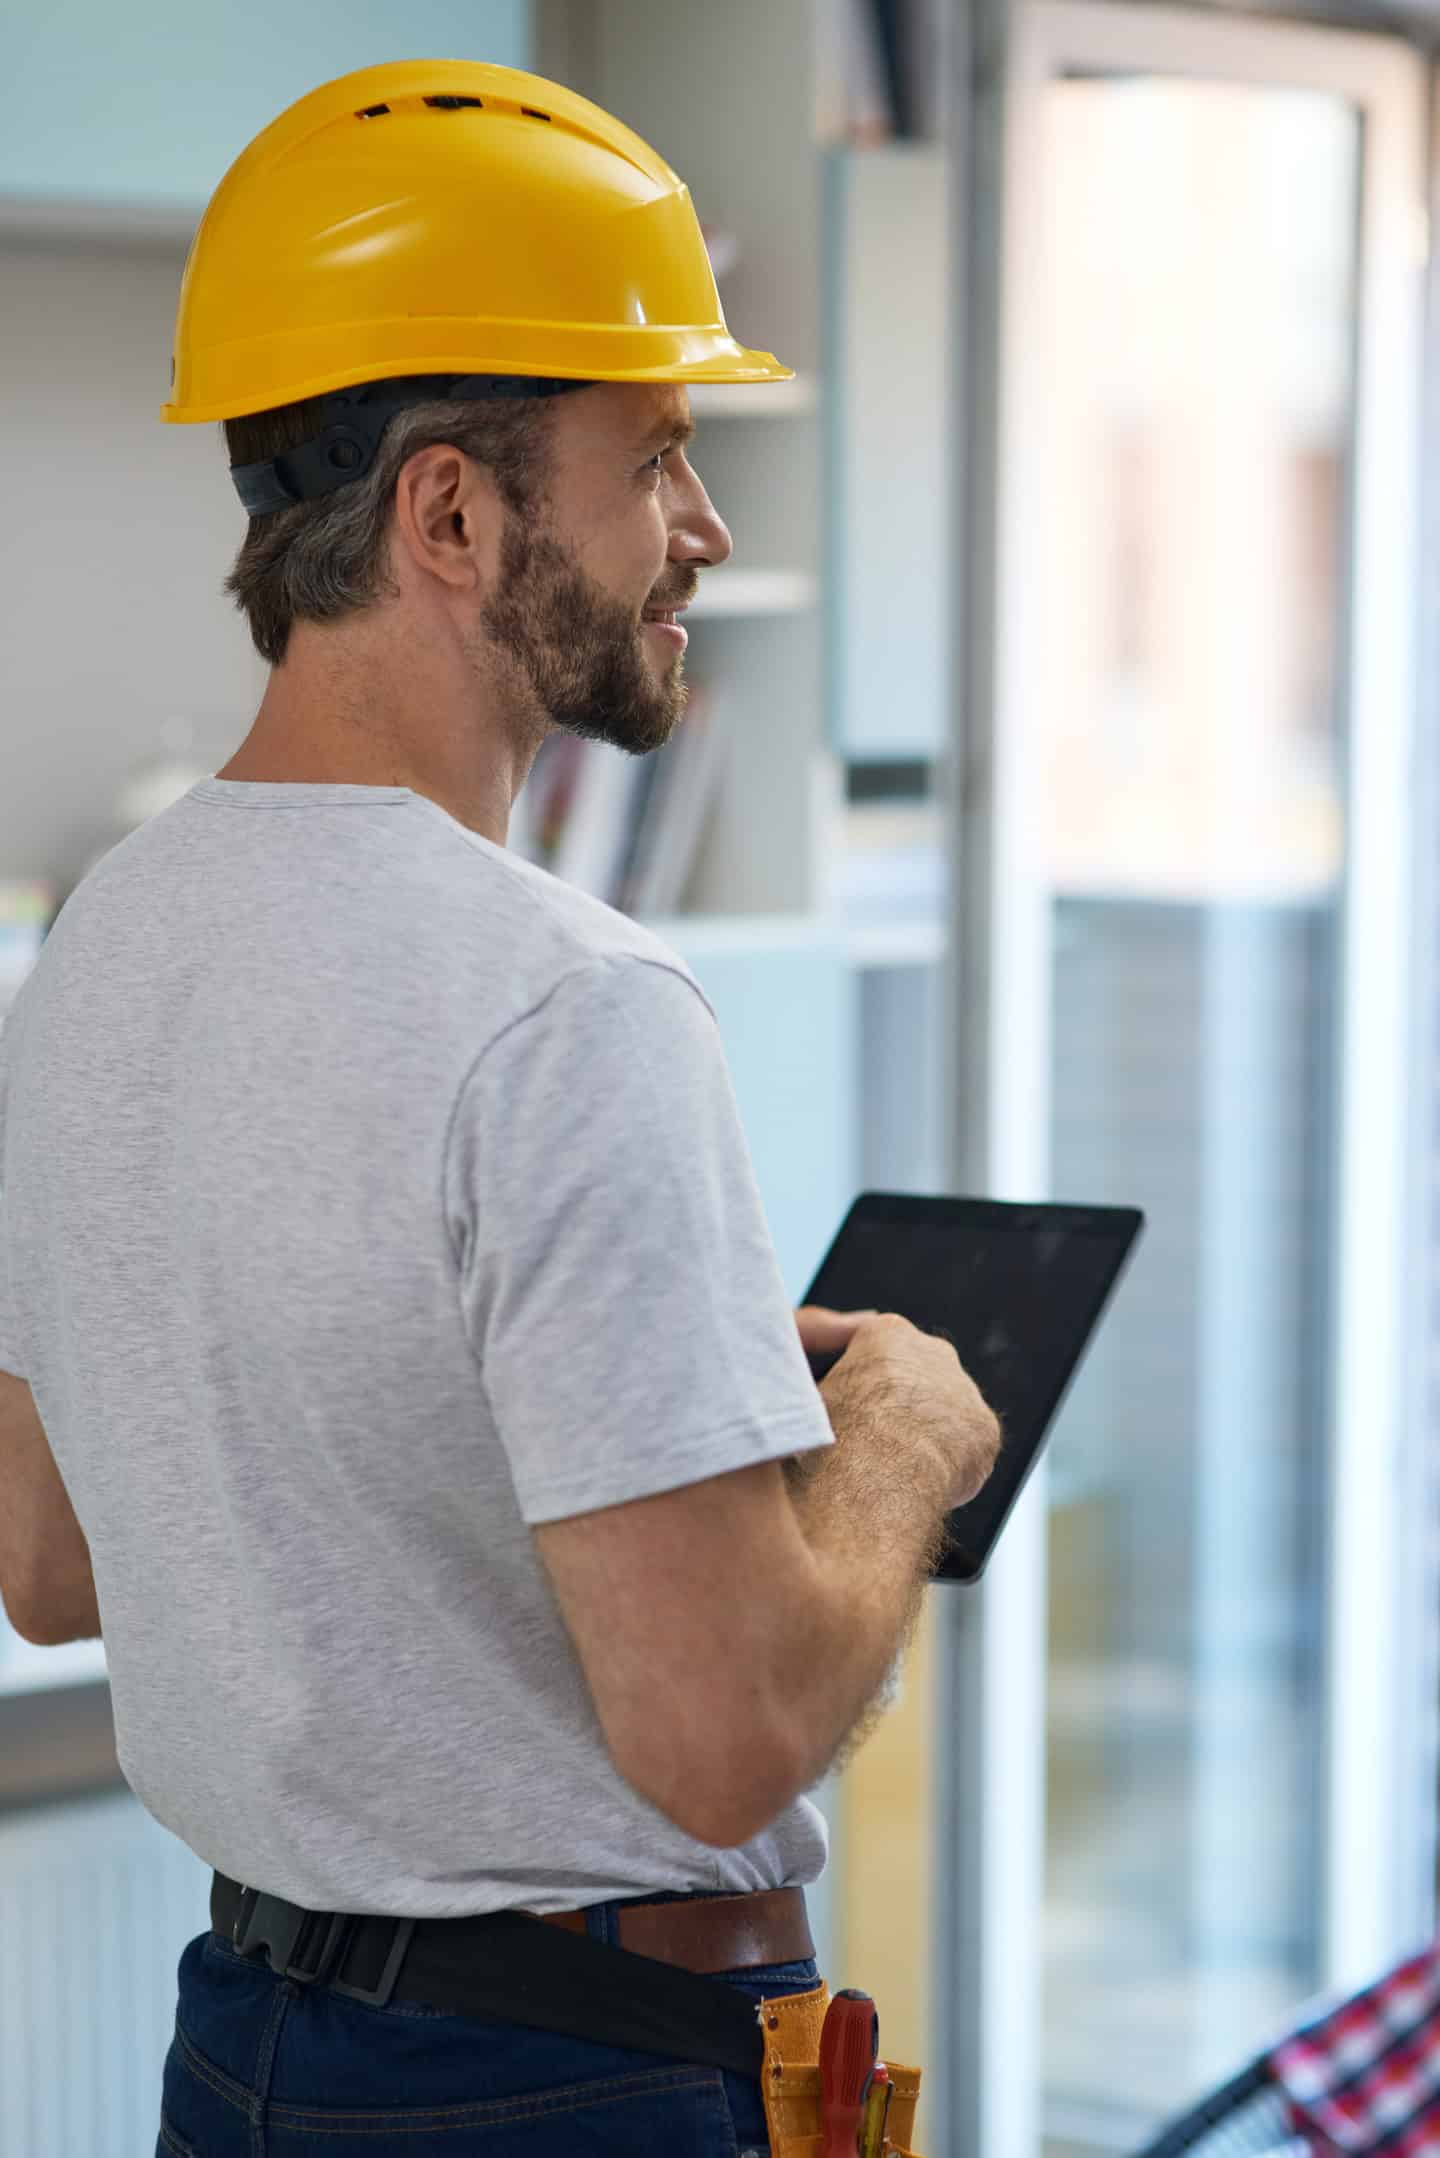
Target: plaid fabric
x=1234, y=2123
x=1366, y=2076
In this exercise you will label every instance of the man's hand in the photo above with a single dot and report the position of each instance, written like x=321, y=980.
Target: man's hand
x=921, y=1371
x=823, y=1332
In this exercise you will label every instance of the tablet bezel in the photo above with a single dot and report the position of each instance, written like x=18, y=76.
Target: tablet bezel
x=964, y=1560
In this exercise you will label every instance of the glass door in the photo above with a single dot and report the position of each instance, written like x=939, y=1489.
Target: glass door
x=1191, y=798
x=1198, y=839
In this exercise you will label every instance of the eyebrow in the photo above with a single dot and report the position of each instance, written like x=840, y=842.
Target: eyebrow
x=671, y=432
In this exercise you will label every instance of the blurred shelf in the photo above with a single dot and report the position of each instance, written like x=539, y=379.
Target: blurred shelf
x=741, y=935
x=27, y=1669
x=797, y=400
x=55, y=220
x=917, y=941
x=57, y=1744
x=908, y=941
x=728, y=594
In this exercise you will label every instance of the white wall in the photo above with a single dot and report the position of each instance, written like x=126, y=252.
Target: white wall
x=115, y=534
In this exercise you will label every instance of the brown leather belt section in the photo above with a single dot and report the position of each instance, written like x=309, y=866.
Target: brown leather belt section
x=712, y=1933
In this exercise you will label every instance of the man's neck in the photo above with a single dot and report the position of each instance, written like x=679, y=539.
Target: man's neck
x=377, y=709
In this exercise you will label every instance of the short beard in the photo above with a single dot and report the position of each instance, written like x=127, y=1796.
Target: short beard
x=580, y=650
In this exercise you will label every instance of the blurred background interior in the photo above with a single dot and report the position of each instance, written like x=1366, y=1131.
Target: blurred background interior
x=1058, y=818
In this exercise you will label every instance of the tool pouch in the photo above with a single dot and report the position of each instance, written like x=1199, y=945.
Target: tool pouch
x=792, y=2024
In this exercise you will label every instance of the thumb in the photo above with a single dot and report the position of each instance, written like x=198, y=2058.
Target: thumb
x=821, y=1329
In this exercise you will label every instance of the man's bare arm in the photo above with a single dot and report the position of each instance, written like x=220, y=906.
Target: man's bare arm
x=735, y=1634
x=46, y=1581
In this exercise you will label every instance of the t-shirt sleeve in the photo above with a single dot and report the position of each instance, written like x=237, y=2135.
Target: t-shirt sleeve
x=618, y=1282
x=10, y=1358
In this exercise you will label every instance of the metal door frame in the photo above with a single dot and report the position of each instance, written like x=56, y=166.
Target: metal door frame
x=1379, y=1833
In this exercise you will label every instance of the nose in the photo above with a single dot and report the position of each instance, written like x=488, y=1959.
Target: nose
x=698, y=533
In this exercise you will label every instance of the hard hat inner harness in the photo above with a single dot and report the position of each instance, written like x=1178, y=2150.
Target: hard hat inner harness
x=345, y=448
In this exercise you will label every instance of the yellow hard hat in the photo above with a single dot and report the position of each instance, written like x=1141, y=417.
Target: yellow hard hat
x=444, y=217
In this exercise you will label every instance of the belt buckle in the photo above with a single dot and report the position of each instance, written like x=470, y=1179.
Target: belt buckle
x=378, y=1996
x=274, y=1925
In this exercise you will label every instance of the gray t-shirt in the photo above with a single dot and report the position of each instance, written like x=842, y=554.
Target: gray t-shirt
x=370, y=1194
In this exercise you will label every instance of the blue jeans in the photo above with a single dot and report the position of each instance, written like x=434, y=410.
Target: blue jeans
x=261, y=2067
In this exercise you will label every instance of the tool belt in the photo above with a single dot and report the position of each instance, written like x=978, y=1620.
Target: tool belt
x=790, y=2080
x=651, y=1993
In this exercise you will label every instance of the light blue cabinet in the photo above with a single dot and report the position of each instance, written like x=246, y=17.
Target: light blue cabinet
x=786, y=1002
x=889, y=551
x=787, y=998
x=149, y=103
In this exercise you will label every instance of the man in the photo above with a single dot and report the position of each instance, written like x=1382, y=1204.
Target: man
x=380, y=1245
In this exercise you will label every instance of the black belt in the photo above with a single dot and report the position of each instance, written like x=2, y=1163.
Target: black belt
x=506, y=1967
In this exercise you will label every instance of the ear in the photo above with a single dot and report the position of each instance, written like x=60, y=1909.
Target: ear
x=448, y=517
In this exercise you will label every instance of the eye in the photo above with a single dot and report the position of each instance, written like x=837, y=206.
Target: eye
x=656, y=464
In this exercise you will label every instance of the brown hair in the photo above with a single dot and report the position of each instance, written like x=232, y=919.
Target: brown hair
x=318, y=560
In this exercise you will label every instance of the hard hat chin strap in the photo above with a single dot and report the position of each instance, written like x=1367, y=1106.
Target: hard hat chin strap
x=356, y=418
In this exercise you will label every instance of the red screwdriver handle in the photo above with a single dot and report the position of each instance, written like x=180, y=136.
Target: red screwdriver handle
x=849, y=2042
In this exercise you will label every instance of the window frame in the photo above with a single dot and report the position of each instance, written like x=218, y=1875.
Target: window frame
x=1379, y=1833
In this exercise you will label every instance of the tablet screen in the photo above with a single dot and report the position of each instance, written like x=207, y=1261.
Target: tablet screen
x=1017, y=1289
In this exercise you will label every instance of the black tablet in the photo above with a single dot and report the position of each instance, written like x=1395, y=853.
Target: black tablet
x=1017, y=1289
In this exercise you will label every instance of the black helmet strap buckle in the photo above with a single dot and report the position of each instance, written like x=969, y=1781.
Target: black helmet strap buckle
x=356, y=418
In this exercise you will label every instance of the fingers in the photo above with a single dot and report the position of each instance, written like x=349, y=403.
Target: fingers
x=822, y=1330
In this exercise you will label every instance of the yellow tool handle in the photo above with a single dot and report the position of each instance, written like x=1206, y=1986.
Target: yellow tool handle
x=877, y=2108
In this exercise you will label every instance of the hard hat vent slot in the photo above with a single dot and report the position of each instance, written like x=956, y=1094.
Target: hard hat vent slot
x=372, y=112
x=531, y=114
x=453, y=104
